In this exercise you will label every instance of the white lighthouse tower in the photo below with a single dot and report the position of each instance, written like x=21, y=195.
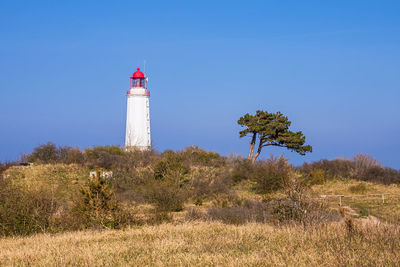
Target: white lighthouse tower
x=138, y=114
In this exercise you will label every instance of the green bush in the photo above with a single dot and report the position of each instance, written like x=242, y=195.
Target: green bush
x=108, y=157
x=46, y=153
x=242, y=169
x=170, y=165
x=104, y=156
x=50, y=153
x=169, y=188
x=270, y=175
x=208, y=182
x=126, y=180
x=132, y=172
x=317, y=176
x=167, y=195
x=98, y=207
x=69, y=155
x=193, y=155
x=337, y=168
x=24, y=213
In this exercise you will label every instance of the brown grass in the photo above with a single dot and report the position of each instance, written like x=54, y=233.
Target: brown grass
x=60, y=180
x=203, y=243
x=367, y=205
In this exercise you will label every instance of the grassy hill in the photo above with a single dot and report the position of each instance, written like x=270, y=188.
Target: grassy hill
x=63, y=181
x=195, y=207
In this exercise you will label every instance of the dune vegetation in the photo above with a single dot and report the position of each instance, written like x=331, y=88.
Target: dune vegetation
x=195, y=207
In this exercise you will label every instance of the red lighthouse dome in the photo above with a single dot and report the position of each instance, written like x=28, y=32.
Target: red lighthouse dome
x=138, y=74
x=138, y=79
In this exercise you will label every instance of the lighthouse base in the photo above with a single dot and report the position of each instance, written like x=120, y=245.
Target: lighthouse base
x=137, y=148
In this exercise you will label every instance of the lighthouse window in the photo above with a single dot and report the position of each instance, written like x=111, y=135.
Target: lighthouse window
x=139, y=83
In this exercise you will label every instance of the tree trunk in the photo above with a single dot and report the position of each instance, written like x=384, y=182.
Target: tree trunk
x=258, y=153
x=252, y=145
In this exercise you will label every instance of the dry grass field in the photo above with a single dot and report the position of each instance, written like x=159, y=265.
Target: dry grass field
x=204, y=244
x=228, y=213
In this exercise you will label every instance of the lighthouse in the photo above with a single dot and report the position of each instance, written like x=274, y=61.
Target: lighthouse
x=138, y=114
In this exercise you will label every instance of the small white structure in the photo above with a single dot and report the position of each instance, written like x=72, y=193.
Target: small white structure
x=107, y=175
x=138, y=113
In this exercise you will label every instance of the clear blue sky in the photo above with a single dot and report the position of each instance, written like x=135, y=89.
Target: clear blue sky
x=331, y=66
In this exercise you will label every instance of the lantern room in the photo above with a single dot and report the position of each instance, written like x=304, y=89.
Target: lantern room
x=138, y=79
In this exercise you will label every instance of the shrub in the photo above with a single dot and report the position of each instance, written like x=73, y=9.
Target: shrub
x=170, y=165
x=97, y=207
x=242, y=169
x=167, y=195
x=104, y=156
x=70, y=155
x=270, y=175
x=130, y=179
x=361, y=167
x=381, y=175
x=209, y=182
x=193, y=155
x=131, y=173
x=169, y=188
x=46, y=153
x=317, y=176
x=299, y=206
x=50, y=153
x=24, y=212
x=337, y=168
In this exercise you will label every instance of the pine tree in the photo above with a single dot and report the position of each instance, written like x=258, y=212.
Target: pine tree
x=272, y=129
x=98, y=203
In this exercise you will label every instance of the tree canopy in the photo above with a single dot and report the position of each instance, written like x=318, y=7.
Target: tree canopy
x=272, y=129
